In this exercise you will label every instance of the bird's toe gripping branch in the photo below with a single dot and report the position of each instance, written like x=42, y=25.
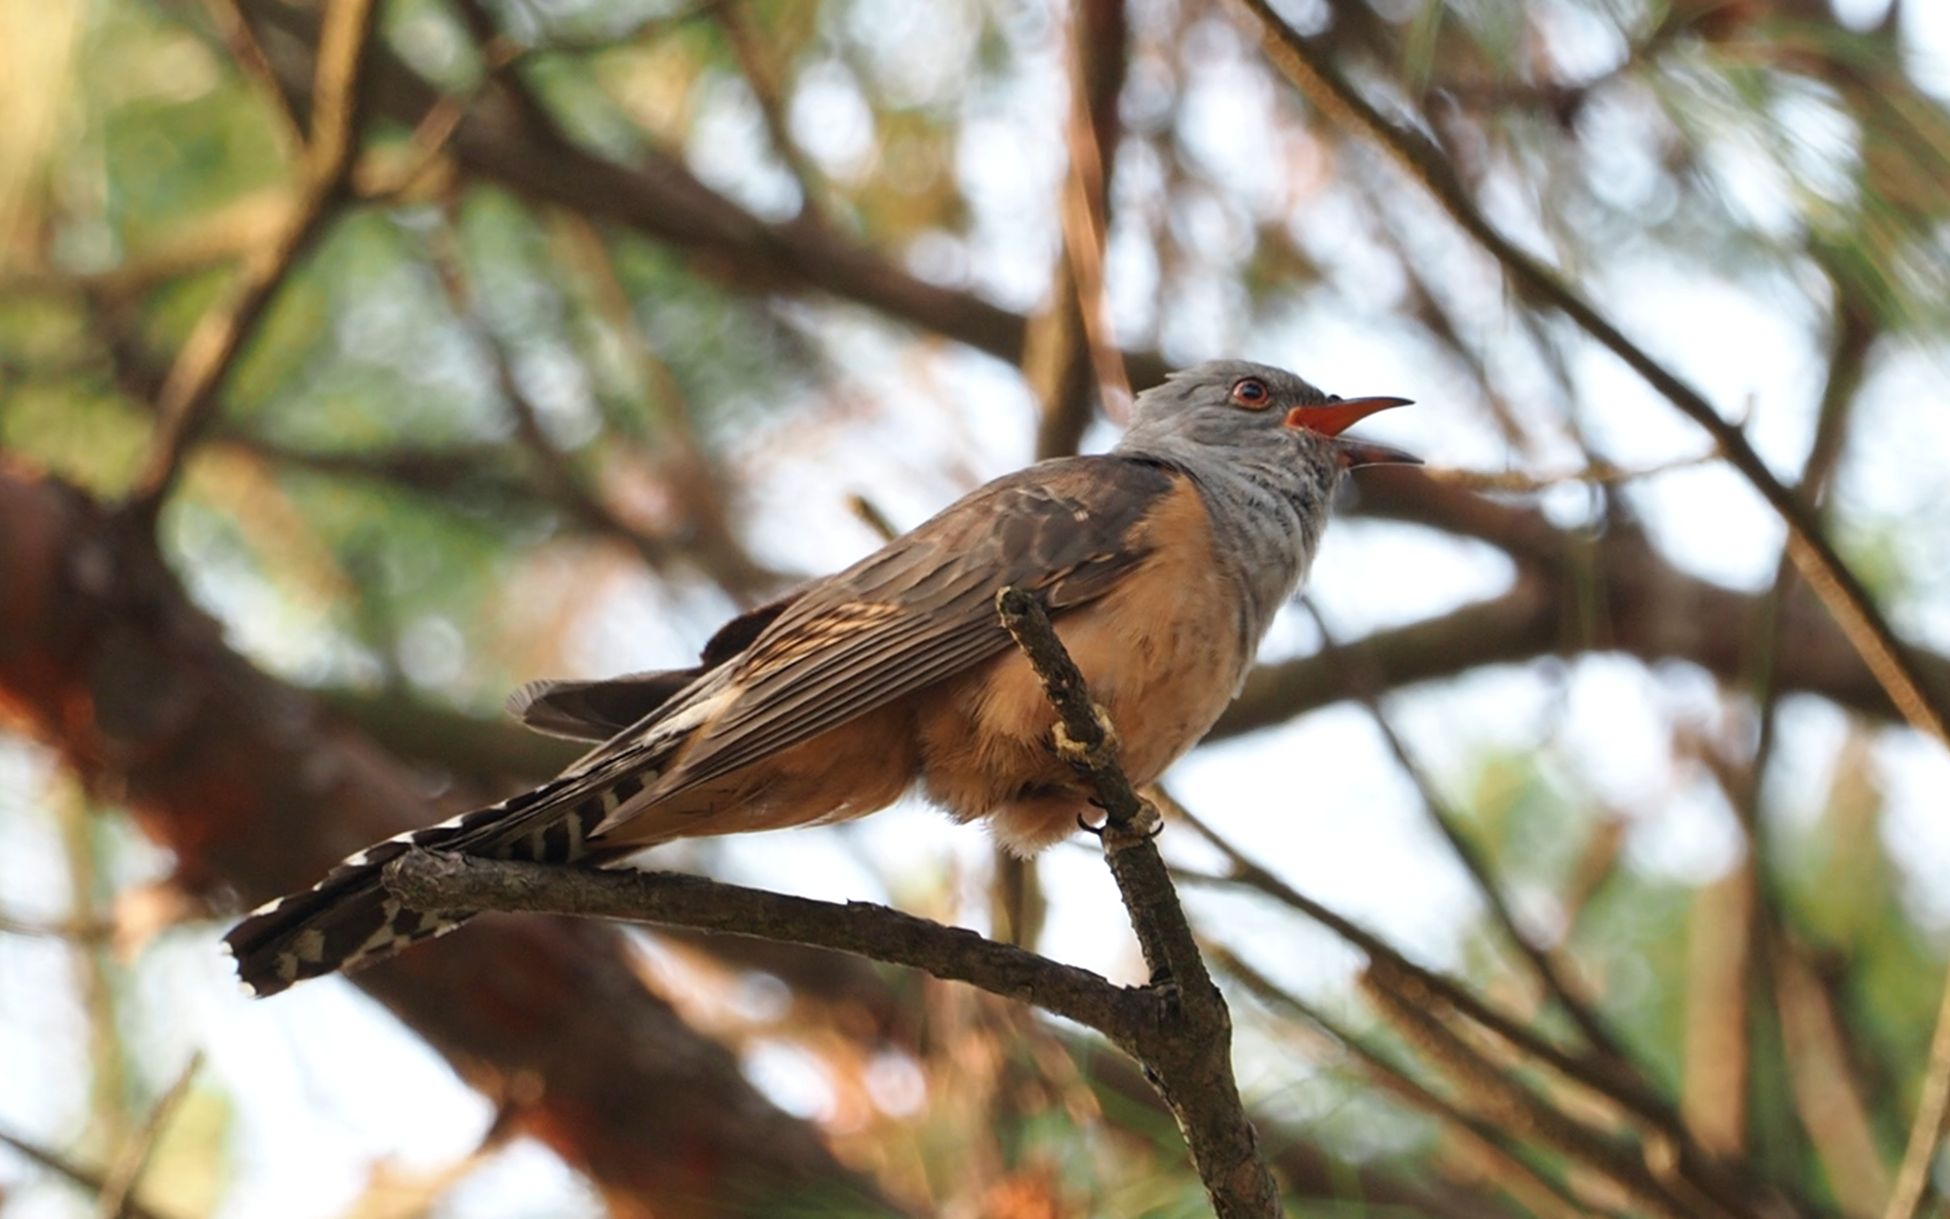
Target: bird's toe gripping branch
x=1084, y=753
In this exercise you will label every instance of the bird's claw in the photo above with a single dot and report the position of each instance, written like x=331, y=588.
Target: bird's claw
x=1115, y=835
x=1084, y=753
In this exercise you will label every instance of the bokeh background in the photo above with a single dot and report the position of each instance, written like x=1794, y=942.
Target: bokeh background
x=615, y=316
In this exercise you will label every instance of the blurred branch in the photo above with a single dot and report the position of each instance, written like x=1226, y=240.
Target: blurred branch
x=1647, y=608
x=1544, y=962
x=86, y=1179
x=734, y=18
x=1509, y=1105
x=1424, y=990
x=257, y=790
x=1061, y=357
x=698, y=482
x=83, y=932
x=241, y=41
x=1926, y=1133
x=94, y=983
x=558, y=475
x=118, y=1187
x=498, y=55
x=1763, y=957
x=1492, y=1149
x=1095, y=50
x=1831, y=1107
x=1720, y=989
x=190, y=395
x=1834, y=582
x=648, y=28
x=660, y=198
x=1518, y=482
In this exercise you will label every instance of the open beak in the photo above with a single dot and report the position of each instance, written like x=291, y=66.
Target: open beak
x=1333, y=418
x=1356, y=453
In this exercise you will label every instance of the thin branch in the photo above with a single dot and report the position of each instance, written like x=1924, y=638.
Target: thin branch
x=1834, y=582
x=1727, y=1184
x=648, y=29
x=1510, y=1106
x=1087, y=741
x=1085, y=202
x=82, y=1178
x=697, y=480
x=1827, y=1097
x=1440, y=988
x=735, y=20
x=191, y=394
x=241, y=41
x=1597, y=473
x=83, y=931
x=1494, y=1152
x=1544, y=962
x=1191, y=1053
x=1932, y=1116
x=557, y=474
x=119, y=1185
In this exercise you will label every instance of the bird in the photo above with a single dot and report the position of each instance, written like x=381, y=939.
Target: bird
x=1161, y=564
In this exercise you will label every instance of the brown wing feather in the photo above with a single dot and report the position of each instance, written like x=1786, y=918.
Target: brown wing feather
x=922, y=609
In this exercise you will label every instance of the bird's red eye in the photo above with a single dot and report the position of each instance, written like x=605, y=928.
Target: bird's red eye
x=1251, y=393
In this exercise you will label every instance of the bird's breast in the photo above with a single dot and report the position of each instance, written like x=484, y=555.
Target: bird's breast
x=1161, y=651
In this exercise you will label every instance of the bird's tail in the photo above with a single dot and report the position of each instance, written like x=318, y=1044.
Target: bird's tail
x=349, y=919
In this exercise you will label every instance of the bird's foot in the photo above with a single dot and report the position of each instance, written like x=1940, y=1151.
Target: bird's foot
x=1086, y=753
x=1115, y=836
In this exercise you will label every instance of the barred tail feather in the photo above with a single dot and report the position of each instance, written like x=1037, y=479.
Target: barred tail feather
x=349, y=919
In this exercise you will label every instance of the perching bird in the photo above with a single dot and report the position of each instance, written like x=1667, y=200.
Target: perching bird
x=1161, y=564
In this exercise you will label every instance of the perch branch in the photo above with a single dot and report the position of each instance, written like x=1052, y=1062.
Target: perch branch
x=1190, y=1053
x=431, y=881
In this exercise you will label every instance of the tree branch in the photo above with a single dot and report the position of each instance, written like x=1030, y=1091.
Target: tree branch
x=74, y=1174
x=116, y=1199
x=429, y=880
x=660, y=198
x=257, y=789
x=1191, y=1051
x=1419, y=989
x=1837, y=586
x=190, y=395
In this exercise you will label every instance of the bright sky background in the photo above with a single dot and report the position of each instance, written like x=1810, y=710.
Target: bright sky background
x=326, y=1084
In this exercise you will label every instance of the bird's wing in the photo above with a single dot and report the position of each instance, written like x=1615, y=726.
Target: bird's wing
x=599, y=710
x=923, y=608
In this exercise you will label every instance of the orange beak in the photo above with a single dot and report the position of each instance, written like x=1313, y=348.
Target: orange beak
x=1333, y=418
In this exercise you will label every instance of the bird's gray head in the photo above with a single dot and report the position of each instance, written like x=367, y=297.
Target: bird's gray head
x=1266, y=450
x=1239, y=411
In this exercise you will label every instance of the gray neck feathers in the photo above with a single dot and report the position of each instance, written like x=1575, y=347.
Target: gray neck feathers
x=1268, y=505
